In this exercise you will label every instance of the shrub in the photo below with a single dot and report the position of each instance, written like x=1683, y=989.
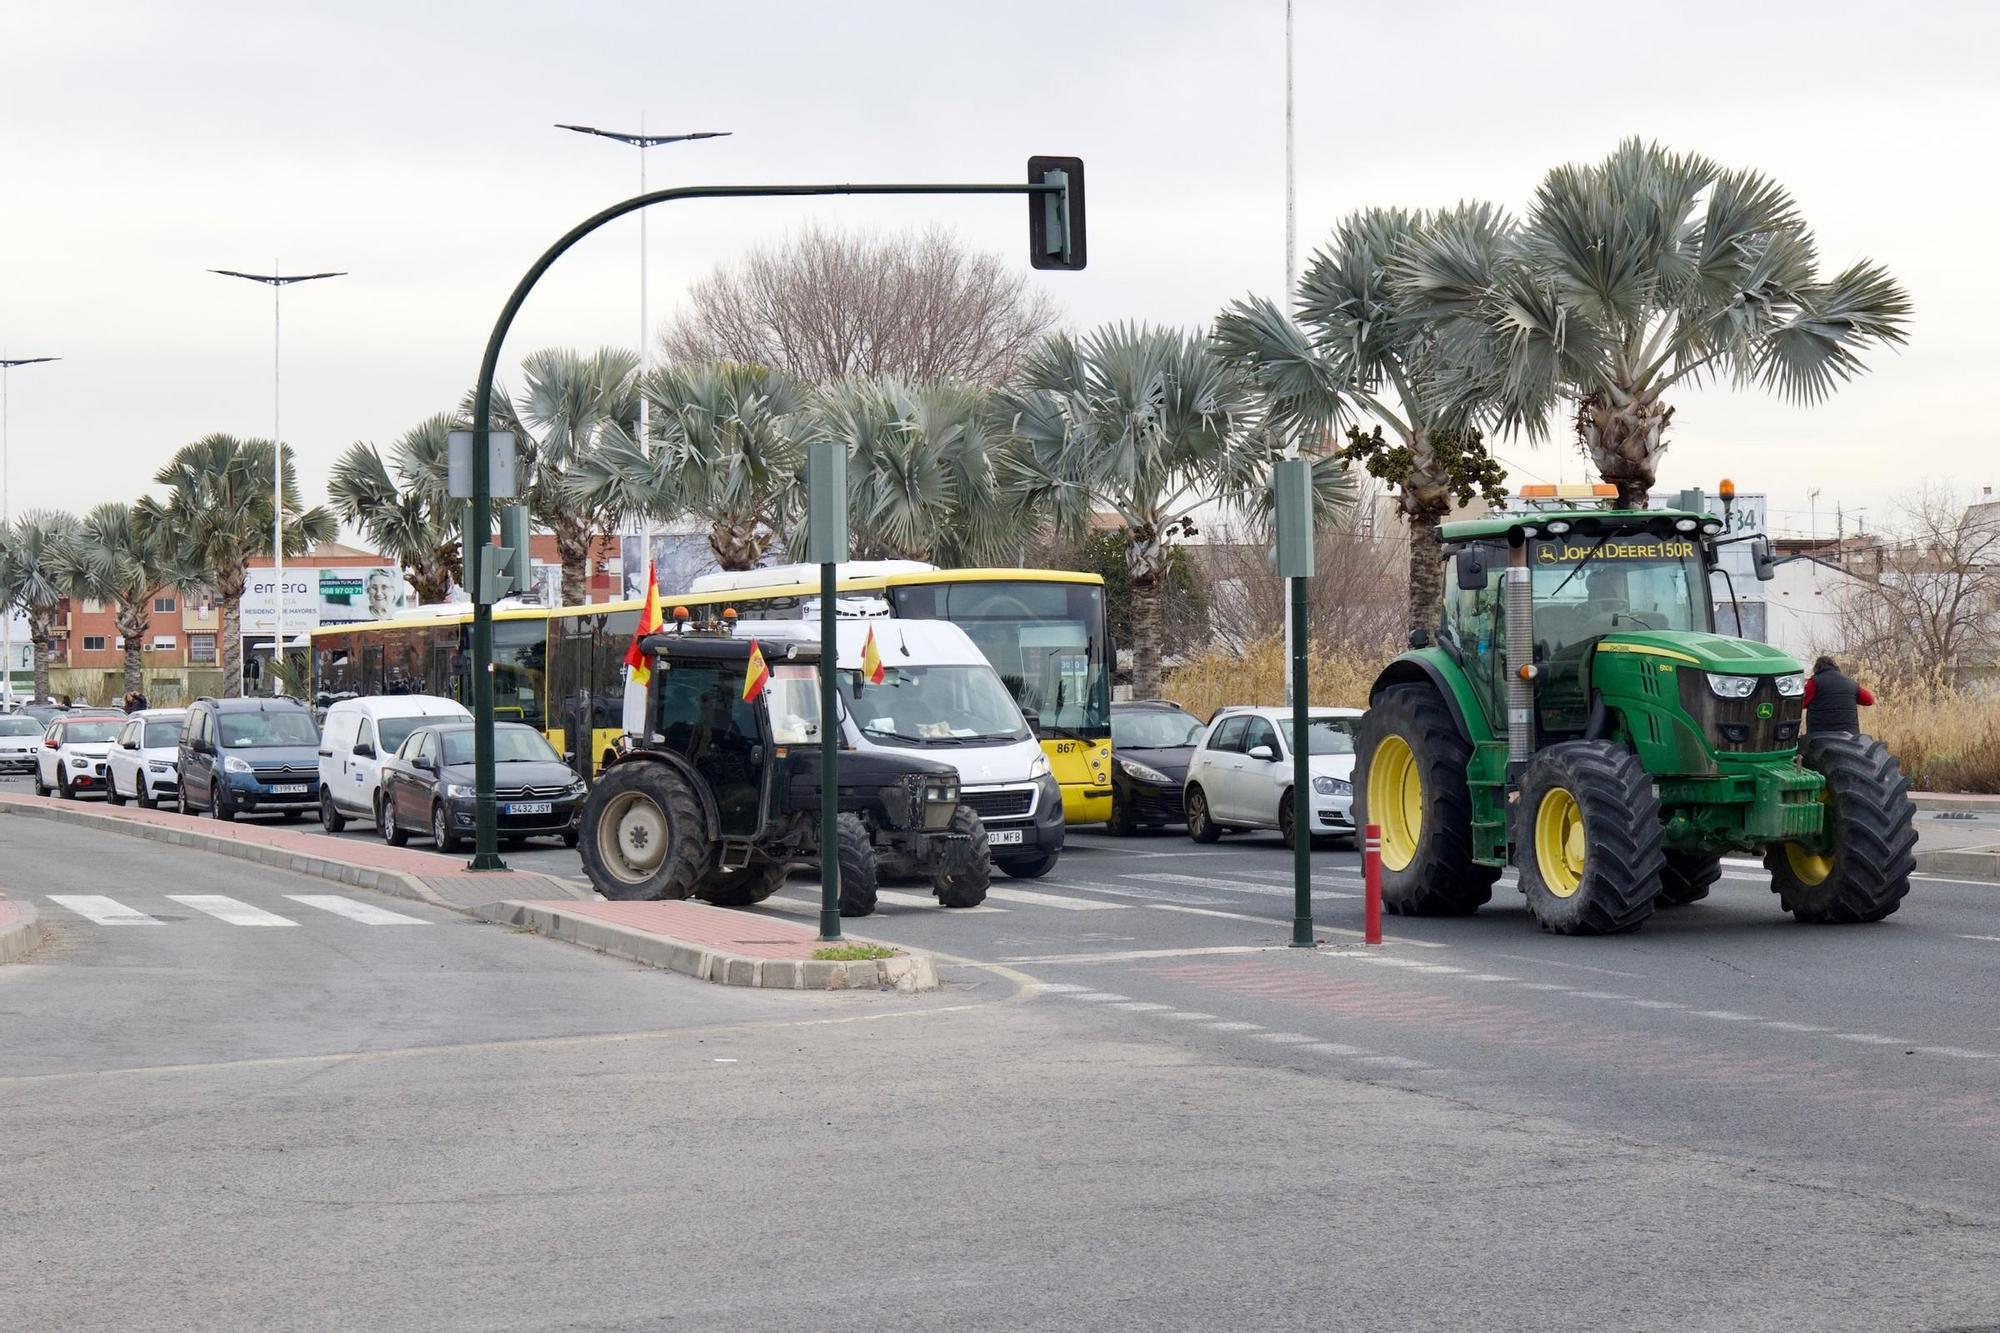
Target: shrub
x=1337, y=674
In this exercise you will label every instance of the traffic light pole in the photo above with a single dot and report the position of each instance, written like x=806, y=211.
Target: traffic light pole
x=1056, y=241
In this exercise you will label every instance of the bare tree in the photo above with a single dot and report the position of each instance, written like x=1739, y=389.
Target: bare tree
x=827, y=304
x=1357, y=599
x=1933, y=610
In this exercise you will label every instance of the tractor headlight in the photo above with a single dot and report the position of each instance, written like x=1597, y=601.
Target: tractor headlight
x=1792, y=686
x=1733, y=687
x=1333, y=787
x=1144, y=772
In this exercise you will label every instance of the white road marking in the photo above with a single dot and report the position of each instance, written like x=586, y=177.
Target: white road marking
x=1795, y=1027
x=1390, y=1062
x=1390, y=960
x=1544, y=985
x=1187, y=1015
x=1870, y=1039
x=1597, y=995
x=1656, y=1004
x=229, y=909
x=1052, y=900
x=1490, y=976
x=1579, y=967
x=1141, y=1006
x=1742, y=861
x=1234, y=886
x=1059, y=988
x=1096, y=996
x=1726, y=1016
x=1275, y=921
x=929, y=901
x=1988, y=939
x=1284, y=1038
x=1233, y=1027
x=1335, y=1048
x=1957, y=1052
x=366, y=913
x=791, y=905
x=104, y=911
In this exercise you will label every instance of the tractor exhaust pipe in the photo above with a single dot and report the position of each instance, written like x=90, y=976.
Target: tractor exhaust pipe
x=1518, y=602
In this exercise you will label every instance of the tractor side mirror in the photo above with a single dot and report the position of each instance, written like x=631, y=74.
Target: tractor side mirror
x=1762, y=560
x=1472, y=572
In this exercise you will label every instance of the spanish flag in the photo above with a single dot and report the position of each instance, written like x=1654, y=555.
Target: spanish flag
x=640, y=666
x=871, y=660
x=758, y=674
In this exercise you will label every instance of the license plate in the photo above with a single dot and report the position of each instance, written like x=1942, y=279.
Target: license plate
x=291, y=789
x=1003, y=837
x=527, y=808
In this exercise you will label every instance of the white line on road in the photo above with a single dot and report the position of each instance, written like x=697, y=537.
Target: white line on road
x=1284, y=1038
x=104, y=911
x=792, y=905
x=1134, y=955
x=1141, y=1007
x=1870, y=1039
x=1228, y=1026
x=1390, y=960
x=1188, y=1015
x=1335, y=1048
x=1233, y=886
x=1597, y=995
x=1275, y=921
x=1957, y=1052
x=928, y=902
x=1390, y=1062
x=1096, y=996
x=1726, y=1016
x=1989, y=939
x=1059, y=988
x=1656, y=1004
x=366, y=913
x=1580, y=967
x=231, y=910
x=1052, y=900
x=1795, y=1027
x=1544, y=985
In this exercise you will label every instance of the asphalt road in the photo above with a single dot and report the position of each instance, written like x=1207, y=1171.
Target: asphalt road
x=1723, y=1121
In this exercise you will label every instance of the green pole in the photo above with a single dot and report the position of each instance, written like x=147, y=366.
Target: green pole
x=1302, y=903
x=829, y=759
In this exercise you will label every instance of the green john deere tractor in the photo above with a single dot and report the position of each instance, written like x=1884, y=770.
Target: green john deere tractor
x=1578, y=718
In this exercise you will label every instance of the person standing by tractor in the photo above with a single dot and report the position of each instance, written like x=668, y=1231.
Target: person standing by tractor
x=1834, y=699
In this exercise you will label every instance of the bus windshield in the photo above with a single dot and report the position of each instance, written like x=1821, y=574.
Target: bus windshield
x=1585, y=589
x=1047, y=641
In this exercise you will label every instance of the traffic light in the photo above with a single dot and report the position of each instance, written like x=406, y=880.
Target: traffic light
x=1055, y=217
x=503, y=569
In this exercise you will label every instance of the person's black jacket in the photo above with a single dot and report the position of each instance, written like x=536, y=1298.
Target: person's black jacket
x=1833, y=702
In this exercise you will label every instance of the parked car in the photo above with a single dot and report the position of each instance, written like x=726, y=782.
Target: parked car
x=1240, y=777
x=71, y=759
x=44, y=713
x=142, y=762
x=20, y=742
x=357, y=736
x=428, y=785
x=249, y=757
x=1151, y=743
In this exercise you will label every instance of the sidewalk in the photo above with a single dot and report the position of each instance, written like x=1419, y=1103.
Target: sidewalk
x=711, y=943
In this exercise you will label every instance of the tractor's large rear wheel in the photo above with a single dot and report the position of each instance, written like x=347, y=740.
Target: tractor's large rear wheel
x=1410, y=778
x=1587, y=842
x=643, y=833
x=1864, y=872
x=1687, y=878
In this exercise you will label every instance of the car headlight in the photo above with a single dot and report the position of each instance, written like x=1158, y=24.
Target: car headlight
x=1038, y=767
x=1792, y=686
x=1333, y=787
x=1143, y=772
x=79, y=761
x=457, y=791
x=577, y=788
x=160, y=766
x=1733, y=687
x=231, y=764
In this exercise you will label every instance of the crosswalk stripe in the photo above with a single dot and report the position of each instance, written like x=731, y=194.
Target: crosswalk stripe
x=902, y=899
x=1034, y=899
x=365, y=913
x=236, y=913
x=792, y=905
x=104, y=911
x=1234, y=886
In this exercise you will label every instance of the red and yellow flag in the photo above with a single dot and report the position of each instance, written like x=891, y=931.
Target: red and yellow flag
x=871, y=660
x=756, y=676
x=650, y=622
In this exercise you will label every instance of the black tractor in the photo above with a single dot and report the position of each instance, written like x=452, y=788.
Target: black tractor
x=715, y=797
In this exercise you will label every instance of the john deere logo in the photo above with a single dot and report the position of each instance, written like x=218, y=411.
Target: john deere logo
x=1765, y=710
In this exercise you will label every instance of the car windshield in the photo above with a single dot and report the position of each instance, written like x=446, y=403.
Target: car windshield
x=511, y=745
x=1330, y=735
x=250, y=731
x=396, y=730
x=934, y=705
x=1154, y=729
x=19, y=726
x=163, y=735
x=92, y=732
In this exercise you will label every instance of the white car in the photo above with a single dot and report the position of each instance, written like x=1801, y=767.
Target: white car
x=143, y=763
x=20, y=742
x=71, y=759
x=1241, y=774
x=357, y=736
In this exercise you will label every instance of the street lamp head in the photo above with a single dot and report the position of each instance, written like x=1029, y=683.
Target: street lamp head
x=9, y=362
x=276, y=279
x=646, y=140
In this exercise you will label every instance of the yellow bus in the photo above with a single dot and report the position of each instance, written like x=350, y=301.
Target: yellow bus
x=562, y=670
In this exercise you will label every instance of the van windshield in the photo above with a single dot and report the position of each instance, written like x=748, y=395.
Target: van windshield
x=249, y=731
x=934, y=705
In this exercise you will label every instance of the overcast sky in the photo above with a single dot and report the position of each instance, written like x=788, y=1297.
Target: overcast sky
x=411, y=144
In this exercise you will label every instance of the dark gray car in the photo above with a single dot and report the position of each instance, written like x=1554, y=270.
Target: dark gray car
x=429, y=785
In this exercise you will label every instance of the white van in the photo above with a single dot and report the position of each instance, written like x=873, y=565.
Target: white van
x=941, y=698
x=357, y=736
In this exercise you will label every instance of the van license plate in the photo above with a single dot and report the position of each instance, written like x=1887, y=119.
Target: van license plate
x=1003, y=837
x=291, y=789
x=528, y=808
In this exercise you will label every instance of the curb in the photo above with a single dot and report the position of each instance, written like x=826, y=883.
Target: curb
x=1960, y=865
x=20, y=931
x=907, y=972
x=1956, y=802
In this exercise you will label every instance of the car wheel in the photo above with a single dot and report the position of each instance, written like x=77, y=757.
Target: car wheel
x=1287, y=820
x=441, y=837
x=144, y=799
x=63, y=789
x=41, y=788
x=1121, y=824
x=216, y=808
x=385, y=824
x=111, y=792
x=1201, y=827
x=181, y=801
x=330, y=819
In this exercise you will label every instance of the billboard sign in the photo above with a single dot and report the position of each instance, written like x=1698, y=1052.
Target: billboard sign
x=324, y=595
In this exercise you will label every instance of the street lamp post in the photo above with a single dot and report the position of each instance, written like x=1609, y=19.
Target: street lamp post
x=7, y=364
x=642, y=141
x=276, y=281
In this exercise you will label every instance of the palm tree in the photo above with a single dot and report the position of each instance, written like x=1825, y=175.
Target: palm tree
x=1635, y=275
x=920, y=475
x=409, y=515
x=575, y=408
x=217, y=514
x=37, y=547
x=1365, y=344
x=113, y=560
x=1150, y=425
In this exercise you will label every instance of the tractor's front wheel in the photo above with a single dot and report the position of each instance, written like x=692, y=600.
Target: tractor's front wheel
x=1687, y=878
x=1588, y=839
x=1871, y=848
x=1410, y=779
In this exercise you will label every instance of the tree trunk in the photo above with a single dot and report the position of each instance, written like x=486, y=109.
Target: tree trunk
x=1625, y=443
x=573, y=548
x=1146, y=562
x=134, y=620
x=228, y=589
x=1425, y=499
x=41, y=635
x=738, y=541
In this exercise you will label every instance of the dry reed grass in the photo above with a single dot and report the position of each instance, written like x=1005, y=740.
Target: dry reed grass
x=1339, y=675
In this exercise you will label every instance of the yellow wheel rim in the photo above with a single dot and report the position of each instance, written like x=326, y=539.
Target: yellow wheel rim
x=1808, y=867
x=1559, y=842
x=1396, y=800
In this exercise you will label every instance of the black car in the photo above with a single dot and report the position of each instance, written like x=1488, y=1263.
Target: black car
x=1150, y=746
x=428, y=785
x=249, y=757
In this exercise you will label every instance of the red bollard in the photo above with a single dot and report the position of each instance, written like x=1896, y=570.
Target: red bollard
x=1371, y=875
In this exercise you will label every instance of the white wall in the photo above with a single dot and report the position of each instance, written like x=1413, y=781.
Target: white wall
x=1806, y=608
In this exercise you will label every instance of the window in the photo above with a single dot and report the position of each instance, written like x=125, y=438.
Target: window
x=162, y=734
x=1261, y=732
x=1228, y=736
x=93, y=643
x=164, y=605
x=91, y=606
x=201, y=649
x=164, y=642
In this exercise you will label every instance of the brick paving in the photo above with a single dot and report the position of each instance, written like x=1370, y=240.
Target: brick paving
x=743, y=933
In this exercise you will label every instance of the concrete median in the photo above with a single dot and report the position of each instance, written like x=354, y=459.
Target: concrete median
x=20, y=930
